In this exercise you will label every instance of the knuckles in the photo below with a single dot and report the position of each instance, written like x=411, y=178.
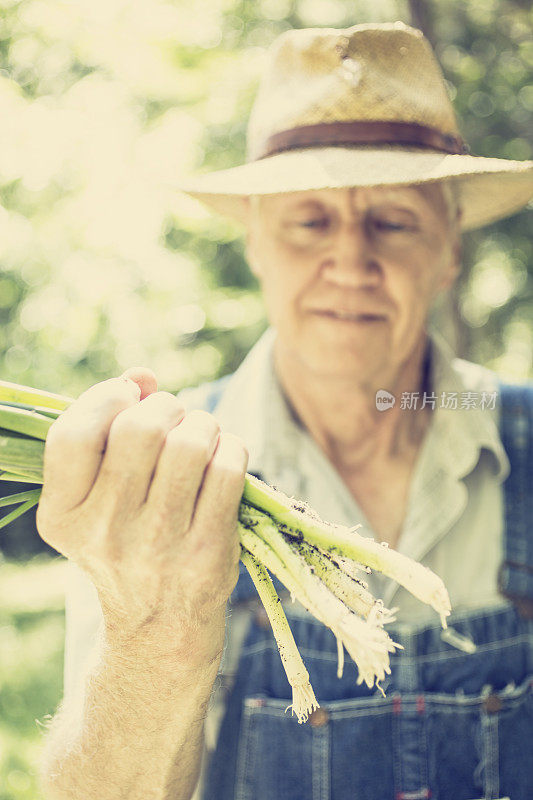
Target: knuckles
x=127, y=426
x=70, y=433
x=232, y=456
x=202, y=419
x=87, y=420
x=189, y=445
x=107, y=398
x=149, y=420
x=230, y=474
x=194, y=438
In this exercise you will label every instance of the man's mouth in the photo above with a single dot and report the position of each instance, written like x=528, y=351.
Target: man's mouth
x=350, y=316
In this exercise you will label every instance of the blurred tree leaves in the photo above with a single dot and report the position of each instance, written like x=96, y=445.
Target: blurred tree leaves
x=486, y=52
x=106, y=104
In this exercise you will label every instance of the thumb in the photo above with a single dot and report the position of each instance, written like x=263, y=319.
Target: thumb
x=144, y=377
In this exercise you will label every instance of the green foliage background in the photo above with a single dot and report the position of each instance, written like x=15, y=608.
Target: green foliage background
x=105, y=105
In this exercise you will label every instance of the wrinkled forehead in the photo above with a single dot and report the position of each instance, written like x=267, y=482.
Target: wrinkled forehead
x=413, y=195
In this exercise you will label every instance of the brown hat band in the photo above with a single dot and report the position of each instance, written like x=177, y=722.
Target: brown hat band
x=373, y=132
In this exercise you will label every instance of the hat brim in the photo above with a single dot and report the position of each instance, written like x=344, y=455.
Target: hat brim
x=489, y=188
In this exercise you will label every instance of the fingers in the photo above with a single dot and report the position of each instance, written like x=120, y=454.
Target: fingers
x=144, y=377
x=134, y=443
x=223, y=483
x=76, y=440
x=216, y=511
x=187, y=451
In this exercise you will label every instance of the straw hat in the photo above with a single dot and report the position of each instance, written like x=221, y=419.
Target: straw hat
x=361, y=106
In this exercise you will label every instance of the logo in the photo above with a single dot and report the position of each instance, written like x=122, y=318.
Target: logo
x=384, y=400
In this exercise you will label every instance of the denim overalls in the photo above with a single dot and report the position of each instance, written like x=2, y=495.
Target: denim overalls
x=454, y=725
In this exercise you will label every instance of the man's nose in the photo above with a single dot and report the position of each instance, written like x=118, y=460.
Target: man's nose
x=353, y=261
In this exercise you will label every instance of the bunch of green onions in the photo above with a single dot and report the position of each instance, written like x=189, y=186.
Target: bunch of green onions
x=316, y=561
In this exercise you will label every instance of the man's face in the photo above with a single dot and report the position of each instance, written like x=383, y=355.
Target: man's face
x=349, y=275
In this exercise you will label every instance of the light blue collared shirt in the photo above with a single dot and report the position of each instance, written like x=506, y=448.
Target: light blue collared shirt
x=454, y=517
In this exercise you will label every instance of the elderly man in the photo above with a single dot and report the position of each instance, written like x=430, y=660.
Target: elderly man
x=354, y=196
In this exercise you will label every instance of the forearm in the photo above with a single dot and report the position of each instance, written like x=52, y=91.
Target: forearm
x=137, y=731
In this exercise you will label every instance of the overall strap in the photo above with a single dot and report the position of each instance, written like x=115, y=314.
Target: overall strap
x=515, y=577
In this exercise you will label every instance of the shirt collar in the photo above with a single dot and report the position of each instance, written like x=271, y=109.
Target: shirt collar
x=474, y=425
x=253, y=407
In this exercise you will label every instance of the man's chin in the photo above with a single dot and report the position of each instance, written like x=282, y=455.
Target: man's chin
x=353, y=367
x=350, y=361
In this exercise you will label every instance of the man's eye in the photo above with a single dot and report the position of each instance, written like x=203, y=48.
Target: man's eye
x=315, y=223
x=390, y=227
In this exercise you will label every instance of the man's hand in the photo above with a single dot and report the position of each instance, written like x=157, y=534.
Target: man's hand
x=145, y=500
